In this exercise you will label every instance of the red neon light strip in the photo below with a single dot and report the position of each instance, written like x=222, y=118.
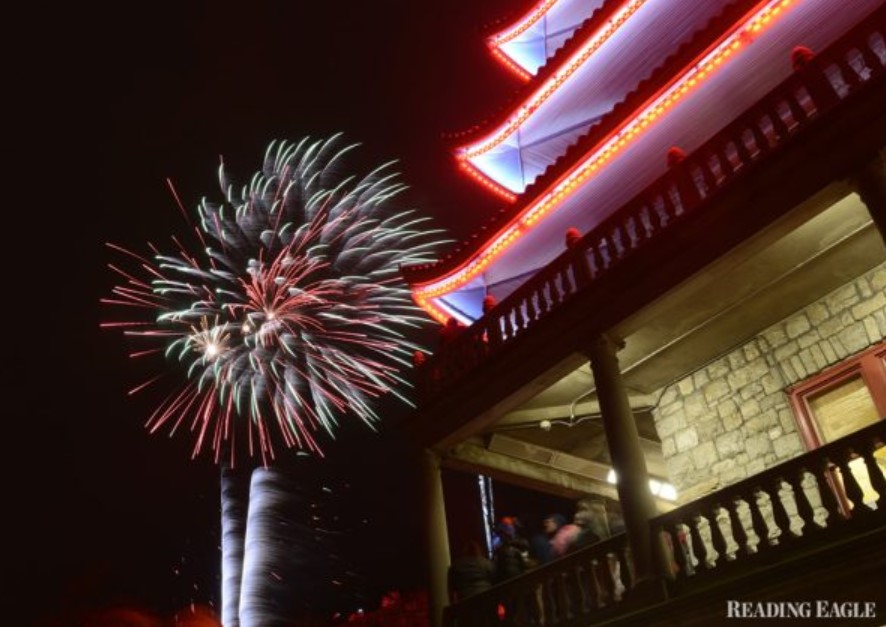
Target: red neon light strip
x=487, y=182
x=504, y=37
x=535, y=15
x=502, y=57
x=696, y=73
x=553, y=84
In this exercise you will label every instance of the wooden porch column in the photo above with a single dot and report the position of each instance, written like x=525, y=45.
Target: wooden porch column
x=437, y=538
x=871, y=186
x=637, y=502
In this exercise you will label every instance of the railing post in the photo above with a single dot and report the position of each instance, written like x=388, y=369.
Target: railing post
x=758, y=523
x=851, y=488
x=804, y=508
x=779, y=513
x=739, y=535
x=820, y=88
x=579, y=259
x=744, y=154
x=824, y=477
x=697, y=544
x=718, y=540
x=878, y=483
x=760, y=140
x=681, y=559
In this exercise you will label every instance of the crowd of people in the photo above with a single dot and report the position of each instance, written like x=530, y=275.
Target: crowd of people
x=516, y=551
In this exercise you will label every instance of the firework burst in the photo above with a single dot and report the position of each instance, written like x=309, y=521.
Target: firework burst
x=291, y=314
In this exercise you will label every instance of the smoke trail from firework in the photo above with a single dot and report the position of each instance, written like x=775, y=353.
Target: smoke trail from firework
x=259, y=605
x=234, y=494
x=291, y=313
x=290, y=564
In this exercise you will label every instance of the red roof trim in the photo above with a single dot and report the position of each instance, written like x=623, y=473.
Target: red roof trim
x=417, y=275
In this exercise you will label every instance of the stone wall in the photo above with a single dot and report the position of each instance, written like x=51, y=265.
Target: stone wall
x=732, y=418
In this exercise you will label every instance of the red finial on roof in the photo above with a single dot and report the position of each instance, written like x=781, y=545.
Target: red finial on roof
x=489, y=302
x=572, y=237
x=800, y=57
x=675, y=156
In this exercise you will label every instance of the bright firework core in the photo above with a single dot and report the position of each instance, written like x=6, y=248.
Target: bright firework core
x=210, y=340
x=293, y=313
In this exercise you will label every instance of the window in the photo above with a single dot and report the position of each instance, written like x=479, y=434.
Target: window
x=843, y=409
x=841, y=400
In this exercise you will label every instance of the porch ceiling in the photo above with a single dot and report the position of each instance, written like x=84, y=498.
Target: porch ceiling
x=810, y=252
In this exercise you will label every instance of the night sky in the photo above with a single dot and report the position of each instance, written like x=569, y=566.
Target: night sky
x=113, y=101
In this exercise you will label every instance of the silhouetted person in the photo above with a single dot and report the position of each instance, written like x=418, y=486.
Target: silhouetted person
x=470, y=573
x=512, y=552
x=449, y=331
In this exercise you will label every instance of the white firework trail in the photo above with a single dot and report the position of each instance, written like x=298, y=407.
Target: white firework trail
x=288, y=316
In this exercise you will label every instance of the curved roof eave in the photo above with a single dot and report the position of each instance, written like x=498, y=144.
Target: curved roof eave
x=605, y=21
x=467, y=261
x=525, y=46
x=496, y=41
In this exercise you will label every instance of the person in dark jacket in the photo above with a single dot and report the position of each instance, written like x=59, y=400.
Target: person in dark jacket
x=511, y=560
x=470, y=573
x=449, y=331
x=512, y=553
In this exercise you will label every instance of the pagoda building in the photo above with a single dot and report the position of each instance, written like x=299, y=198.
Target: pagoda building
x=592, y=127
x=677, y=319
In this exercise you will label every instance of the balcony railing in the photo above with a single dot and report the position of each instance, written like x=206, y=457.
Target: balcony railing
x=821, y=495
x=819, y=499
x=805, y=99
